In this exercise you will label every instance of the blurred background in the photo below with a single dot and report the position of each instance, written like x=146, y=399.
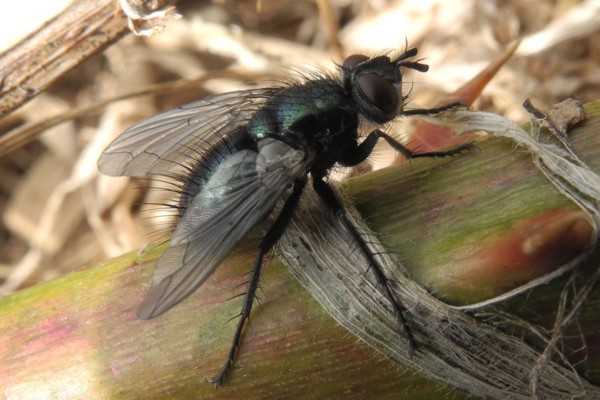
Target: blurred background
x=59, y=214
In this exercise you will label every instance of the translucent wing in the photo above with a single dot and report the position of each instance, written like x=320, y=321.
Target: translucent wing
x=157, y=144
x=241, y=192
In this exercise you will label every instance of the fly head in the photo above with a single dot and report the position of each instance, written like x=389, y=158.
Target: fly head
x=376, y=83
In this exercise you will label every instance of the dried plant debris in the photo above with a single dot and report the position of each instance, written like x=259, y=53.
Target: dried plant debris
x=560, y=117
x=59, y=213
x=144, y=22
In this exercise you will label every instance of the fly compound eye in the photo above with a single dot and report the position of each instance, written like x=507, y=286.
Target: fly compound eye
x=380, y=92
x=353, y=60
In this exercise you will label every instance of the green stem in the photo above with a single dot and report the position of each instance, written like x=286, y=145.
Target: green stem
x=78, y=336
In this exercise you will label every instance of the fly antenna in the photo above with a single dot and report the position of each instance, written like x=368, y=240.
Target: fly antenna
x=402, y=61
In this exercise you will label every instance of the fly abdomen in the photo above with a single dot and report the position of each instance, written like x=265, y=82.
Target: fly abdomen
x=201, y=170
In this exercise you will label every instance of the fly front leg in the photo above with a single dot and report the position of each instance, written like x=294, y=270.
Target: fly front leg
x=430, y=111
x=329, y=197
x=410, y=154
x=269, y=240
x=361, y=152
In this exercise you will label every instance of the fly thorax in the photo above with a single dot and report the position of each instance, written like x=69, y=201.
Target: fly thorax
x=282, y=113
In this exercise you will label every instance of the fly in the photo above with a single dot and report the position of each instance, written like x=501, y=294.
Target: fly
x=243, y=153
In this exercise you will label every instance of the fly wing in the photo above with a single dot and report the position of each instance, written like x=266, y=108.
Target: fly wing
x=159, y=143
x=242, y=192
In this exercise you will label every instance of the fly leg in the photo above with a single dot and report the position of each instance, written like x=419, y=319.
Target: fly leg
x=355, y=157
x=406, y=152
x=330, y=198
x=412, y=154
x=363, y=150
x=267, y=243
x=427, y=111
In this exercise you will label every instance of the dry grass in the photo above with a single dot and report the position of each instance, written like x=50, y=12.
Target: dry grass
x=59, y=213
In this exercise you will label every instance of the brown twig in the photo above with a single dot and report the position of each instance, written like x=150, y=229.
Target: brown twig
x=80, y=31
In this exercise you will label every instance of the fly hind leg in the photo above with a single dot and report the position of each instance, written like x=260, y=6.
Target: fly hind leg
x=267, y=243
x=330, y=198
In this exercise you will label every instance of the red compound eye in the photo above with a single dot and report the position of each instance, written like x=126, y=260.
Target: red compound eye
x=379, y=91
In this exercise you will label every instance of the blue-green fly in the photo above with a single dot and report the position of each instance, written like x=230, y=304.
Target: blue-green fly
x=246, y=155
